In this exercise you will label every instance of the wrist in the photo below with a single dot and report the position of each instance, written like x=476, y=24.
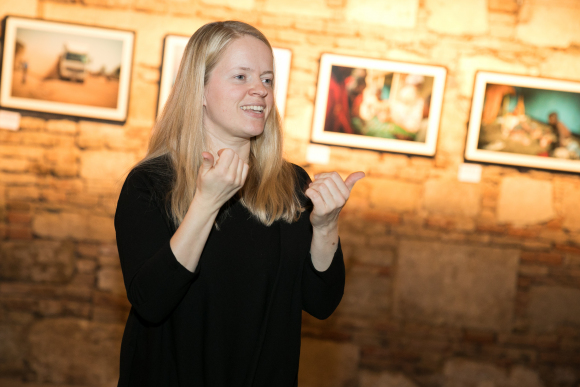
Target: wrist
x=200, y=203
x=326, y=229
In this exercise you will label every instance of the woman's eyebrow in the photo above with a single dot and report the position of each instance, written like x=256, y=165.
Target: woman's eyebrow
x=249, y=69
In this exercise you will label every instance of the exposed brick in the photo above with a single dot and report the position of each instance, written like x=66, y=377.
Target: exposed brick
x=19, y=232
x=13, y=165
x=555, y=223
x=19, y=217
x=32, y=124
x=522, y=232
x=440, y=222
x=381, y=217
x=480, y=337
x=23, y=193
x=553, y=259
x=568, y=248
x=495, y=229
x=86, y=266
x=87, y=249
x=62, y=126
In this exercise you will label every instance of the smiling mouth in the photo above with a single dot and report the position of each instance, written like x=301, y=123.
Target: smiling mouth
x=258, y=109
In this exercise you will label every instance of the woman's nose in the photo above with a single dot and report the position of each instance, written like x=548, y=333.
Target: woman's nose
x=259, y=89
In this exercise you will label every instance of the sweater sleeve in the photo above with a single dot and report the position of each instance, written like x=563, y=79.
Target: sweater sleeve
x=321, y=290
x=155, y=281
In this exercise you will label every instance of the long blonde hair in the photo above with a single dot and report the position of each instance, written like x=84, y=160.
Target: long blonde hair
x=269, y=191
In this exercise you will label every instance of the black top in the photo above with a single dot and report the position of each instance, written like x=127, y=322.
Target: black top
x=236, y=320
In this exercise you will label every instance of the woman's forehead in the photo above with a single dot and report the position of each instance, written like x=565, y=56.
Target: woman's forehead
x=249, y=53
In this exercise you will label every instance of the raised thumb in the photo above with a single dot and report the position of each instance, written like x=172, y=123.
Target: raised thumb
x=353, y=178
x=207, y=161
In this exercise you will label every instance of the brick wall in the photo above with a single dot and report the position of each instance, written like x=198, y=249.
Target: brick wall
x=449, y=283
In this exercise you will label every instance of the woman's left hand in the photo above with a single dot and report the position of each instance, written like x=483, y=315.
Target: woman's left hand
x=329, y=194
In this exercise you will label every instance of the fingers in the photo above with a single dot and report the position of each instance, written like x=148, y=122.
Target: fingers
x=333, y=192
x=231, y=167
x=330, y=190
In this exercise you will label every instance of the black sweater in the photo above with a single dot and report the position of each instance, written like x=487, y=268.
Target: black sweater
x=236, y=320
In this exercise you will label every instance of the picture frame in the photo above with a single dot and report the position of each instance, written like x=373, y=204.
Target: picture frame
x=378, y=104
x=173, y=48
x=66, y=69
x=524, y=121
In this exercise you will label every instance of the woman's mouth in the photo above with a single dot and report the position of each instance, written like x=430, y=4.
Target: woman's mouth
x=254, y=108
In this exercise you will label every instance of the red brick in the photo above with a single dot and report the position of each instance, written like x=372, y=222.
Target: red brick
x=18, y=206
x=480, y=337
x=548, y=342
x=19, y=233
x=555, y=224
x=382, y=217
x=491, y=228
x=19, y=217
x=110, y=300
x=552, y=259
x=110, y=315
x=524, y=282
x=88, y=249
x=521, y=232
x=438, y=222
x=568, y=248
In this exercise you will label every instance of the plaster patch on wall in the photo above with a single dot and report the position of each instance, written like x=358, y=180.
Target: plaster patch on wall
x=388, y=13
x=469, y=65
x=523, y=201
x=310, y=8
x=561, y=65
x=19, y=7
x=452, y=198
x=236, y=4
x=456, y=285
x=457, y=17
x=552, y=306
x=538, y=21
x=392, y=195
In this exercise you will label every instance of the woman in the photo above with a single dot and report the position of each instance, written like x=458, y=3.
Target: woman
x=218, y=249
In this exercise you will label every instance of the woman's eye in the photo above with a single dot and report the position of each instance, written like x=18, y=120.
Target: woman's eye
x=240, y=77
x=267, y=81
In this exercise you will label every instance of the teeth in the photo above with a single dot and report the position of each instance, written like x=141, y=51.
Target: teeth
x=255, y=108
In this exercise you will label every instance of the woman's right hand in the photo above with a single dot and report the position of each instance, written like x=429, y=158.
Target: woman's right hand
x=218, y=182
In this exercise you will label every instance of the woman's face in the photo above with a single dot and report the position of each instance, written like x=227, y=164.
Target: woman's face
x=239, y=95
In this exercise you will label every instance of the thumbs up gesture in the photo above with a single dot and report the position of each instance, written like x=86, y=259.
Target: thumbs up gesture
x=329, y=194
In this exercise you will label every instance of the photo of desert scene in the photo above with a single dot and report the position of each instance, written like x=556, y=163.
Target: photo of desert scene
x=60, y=67
x=530, y=121
x=378, y=103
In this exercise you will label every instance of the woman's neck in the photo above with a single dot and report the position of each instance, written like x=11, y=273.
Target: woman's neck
x=238, y=145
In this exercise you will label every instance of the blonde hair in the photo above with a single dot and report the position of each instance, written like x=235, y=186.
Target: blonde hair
x=269, y=191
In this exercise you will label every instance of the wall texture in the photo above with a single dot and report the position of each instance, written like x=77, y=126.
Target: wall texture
x=449, y=283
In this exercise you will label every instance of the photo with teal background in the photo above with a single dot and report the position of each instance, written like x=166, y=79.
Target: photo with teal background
x=541, y=103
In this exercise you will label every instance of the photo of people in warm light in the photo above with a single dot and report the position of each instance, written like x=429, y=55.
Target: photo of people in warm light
x=531, y=121
x=378, y=103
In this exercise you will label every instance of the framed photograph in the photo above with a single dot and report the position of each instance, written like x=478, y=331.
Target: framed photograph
x=378, y=104
x=525, y=121
x=66, y=69
x=173, y=49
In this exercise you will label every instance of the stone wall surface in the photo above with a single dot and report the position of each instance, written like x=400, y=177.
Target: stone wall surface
x=449, y=283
